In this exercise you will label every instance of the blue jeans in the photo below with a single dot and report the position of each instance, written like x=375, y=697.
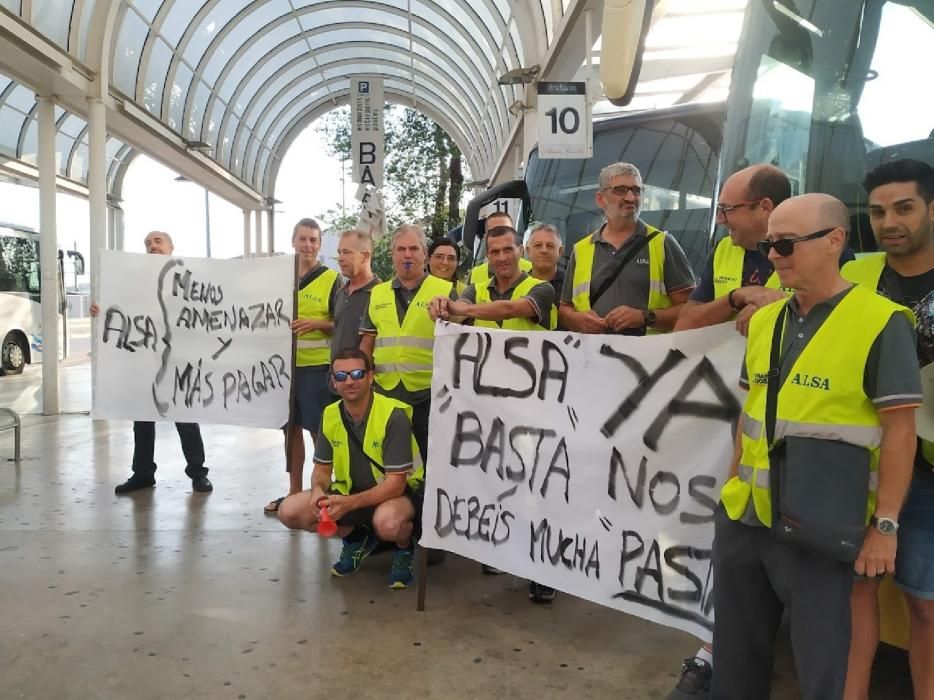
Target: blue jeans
x=914, y=562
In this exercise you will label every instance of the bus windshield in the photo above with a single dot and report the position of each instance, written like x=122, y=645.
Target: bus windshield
x=827, y=90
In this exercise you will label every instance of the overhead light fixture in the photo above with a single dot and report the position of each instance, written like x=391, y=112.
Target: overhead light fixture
x=518, y=108
x=519, y=76
x=199, y=146
x=477, y=183
x=797, y=19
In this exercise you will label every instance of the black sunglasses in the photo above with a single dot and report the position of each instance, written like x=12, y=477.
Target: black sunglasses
x=786, y=246
x=356, y=374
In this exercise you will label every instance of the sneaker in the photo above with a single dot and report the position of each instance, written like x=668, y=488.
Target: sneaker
x=488, y=570
x=134, y=483
x=695, y=680
x=400, y=575
x=202, y=484
x=354, y=551
x=539, y=593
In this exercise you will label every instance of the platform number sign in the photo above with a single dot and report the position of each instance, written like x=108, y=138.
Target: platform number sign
x=565, y=128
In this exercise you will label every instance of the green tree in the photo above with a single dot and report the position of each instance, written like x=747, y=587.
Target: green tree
x=424, y=169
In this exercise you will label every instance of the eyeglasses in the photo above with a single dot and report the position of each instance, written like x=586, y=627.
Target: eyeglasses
x=786, y=246
x=440, y=257
x=621, y=190
x=356, y=374
x=724, y=209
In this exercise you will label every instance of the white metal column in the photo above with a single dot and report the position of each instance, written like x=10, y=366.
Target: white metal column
x=48, y=256
x=118, y=228
x=246, y=233
x=258, y=232
x=270, y=231
x=97, y=205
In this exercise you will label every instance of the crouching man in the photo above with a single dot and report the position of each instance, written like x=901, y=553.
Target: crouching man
x=368, y=474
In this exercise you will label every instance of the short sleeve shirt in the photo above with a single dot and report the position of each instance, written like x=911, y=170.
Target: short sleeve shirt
x=349, y=310
x=631, y=287
x=542, y=296
x=397, y=449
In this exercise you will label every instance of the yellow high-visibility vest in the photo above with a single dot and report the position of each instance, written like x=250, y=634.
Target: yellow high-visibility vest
x=333, y=428
x=584, y=251
x=517, y=324
x=405, y=353
x=728, y=261
x=823, y=396
x=314, y=348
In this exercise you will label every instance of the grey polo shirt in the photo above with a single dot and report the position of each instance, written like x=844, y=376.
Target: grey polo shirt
x=891, y=377
x=631, y=287
x=397, y=449
x=349, y=310
x=542, y=296
x=403, y=299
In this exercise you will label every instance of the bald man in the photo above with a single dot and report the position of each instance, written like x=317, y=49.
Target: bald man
x=835, y=390
x=144, y=432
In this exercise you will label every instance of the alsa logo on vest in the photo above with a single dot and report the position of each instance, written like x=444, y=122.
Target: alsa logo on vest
x=725, y=279
x=811, y=381
x=382, y=305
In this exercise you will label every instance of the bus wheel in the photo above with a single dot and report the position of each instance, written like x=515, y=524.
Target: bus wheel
x=12, y=355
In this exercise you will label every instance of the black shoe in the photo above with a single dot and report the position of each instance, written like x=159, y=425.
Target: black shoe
x=202, y=484
x=540, y=594
x=695, y=680
x=488, y=570
x=134, y=483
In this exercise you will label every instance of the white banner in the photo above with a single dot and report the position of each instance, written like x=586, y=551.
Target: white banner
x=589, y=463
x=193, y=340
x=366, y=130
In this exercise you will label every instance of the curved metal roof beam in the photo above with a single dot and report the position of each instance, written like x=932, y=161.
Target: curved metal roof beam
x=316, y=110
x=470, y=126
x=274, y=132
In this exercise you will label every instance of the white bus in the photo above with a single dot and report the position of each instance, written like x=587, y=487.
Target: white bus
x=20, y=310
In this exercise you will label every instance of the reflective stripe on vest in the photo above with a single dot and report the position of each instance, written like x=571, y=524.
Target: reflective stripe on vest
x=728, y=259
x=375, y=433
x=405, y=353
x=480, y=275
x=314, y=348
x=584, y=251
x=516, y=324
x=823, y=396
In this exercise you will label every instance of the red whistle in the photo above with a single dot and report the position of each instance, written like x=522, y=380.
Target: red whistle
x=326, y=526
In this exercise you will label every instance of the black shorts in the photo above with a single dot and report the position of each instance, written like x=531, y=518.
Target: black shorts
x=364, y=516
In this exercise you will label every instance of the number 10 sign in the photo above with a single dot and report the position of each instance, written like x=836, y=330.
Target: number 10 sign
x=565, y=129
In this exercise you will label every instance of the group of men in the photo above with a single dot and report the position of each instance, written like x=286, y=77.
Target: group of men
x=371, y=343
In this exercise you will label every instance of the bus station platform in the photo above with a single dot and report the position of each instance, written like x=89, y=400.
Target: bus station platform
x=170, y=593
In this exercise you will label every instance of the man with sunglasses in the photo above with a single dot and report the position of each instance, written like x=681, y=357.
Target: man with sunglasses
x=841, y=378
x=626, y=277
x=368, y=474
x=901, y=213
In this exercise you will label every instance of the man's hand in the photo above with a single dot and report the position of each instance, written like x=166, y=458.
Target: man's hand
x=742, y=318
x=591, y=322
x=300, y=326
x=438, y=308
x=338, y=506
x=623, y=317
x=758, y=296
x=95, y=310
x=877, y=557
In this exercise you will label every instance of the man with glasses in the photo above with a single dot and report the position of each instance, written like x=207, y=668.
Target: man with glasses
x=482, y=273
x=901, y=213
x=736, y=274
x=626, y=277
x=368, y=473
x=834, y=388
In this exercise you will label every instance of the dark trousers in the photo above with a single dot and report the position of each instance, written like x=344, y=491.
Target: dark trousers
x=144, y=445
x=756, y=579
x=420, y=413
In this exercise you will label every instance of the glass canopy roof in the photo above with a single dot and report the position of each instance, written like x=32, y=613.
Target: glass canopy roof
x=246, y=76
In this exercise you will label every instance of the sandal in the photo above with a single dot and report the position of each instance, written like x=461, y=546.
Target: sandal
x=273, y=506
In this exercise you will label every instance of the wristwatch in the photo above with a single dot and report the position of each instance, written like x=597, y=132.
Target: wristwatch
x=885, y=526
x=648, y=318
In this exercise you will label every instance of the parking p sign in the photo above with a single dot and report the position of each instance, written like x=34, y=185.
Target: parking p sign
x=565, y=129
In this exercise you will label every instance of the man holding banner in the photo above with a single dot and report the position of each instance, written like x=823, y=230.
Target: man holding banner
x=144, y=432
x=397, y=332
x=825, y=441
x=313, y=324
x=626, y=277
x=368, y=473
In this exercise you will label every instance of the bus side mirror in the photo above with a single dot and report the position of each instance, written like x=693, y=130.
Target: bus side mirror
x=77, y=260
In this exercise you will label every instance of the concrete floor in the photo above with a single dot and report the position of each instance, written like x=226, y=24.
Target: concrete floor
x=171, y=594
